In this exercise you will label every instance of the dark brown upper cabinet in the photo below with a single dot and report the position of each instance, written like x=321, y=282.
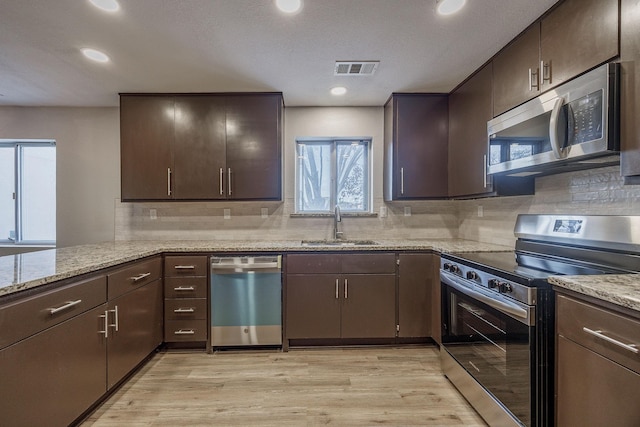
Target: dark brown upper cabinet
x=572, y=38
x=630, y=89
x=201, y=146
x=415, y=146
x=470, y=108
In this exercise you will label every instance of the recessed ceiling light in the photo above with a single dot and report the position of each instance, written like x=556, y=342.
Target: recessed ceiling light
x=289, y=6
x=338, y=90
x=95, y=55
x=448, y=7
x=106, y=5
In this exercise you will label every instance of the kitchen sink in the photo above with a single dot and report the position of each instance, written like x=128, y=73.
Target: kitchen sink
x=338, y=243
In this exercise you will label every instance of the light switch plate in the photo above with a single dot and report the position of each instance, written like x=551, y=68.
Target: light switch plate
x=153, y=214
x=264, y=212
x=480, y=211
x=407, y=211
x=227, y=214
x=383, y=211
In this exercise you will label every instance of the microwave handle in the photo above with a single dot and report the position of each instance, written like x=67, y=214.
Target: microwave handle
x=553, y=130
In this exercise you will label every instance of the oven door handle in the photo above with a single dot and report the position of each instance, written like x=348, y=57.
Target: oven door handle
x=504, y=306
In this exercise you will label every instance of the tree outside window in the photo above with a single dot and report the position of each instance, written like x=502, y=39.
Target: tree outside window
x=333, y=172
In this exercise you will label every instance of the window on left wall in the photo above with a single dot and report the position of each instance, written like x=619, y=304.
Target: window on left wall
x=28, y=192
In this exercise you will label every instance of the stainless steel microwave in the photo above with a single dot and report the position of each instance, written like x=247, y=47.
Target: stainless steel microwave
x=574, y=126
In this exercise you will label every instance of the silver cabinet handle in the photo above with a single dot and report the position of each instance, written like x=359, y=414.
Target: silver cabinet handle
x=70, y=304
x=484, y=171
x=184, y=289
x=221, y=182
x=185, y=332
x=402, y=181
x=544, y=75
x=139, y=277
x=229, y=183
x=115, y=318
x=600, y=334
x=185, y=310
x=346, y=288
x=533, y=85
x=105, y=316
x=168, y=181
x=553, y=129
x=337, y=295
x=185, y=267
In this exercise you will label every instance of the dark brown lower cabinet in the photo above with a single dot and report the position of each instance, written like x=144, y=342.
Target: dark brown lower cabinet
x=139, y=319
x=54, y=376
x=340, y=306
x=415, y=294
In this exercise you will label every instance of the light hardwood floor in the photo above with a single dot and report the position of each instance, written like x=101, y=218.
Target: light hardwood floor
x=304, y=387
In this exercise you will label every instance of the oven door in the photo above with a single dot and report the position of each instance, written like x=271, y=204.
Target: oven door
x=494, y=340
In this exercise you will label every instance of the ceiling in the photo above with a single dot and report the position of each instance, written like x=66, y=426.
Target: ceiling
x=246, y=45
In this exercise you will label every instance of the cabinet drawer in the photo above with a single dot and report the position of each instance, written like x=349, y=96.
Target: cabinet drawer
x=185, y=308
x=135, y=276
x=185, y=330
x=185, y=287
x=26, y=317
x=581, y=322
x=374, y=263
x=313, y=263
x=189, y=265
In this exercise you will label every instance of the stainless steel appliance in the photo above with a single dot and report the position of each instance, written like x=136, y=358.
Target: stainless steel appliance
x=574, y=126
x=498, y=309
x=246, y=301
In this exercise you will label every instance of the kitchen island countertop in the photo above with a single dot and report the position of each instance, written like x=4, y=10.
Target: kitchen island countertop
x=29, y=270
x=619, y=289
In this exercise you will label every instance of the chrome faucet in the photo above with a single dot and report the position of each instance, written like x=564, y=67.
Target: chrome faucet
x=336, y=219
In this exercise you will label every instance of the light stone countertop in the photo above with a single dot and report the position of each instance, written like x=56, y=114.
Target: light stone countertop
x=619, y=289
x=33, y=269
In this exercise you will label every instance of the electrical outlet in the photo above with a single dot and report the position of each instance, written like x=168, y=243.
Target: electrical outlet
x=407, y=211
x=383, y=211
x=227, y=214
x=153, y=214
x=480, y=211
x=264, y=213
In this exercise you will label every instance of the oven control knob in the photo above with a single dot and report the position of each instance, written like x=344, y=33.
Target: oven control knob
x=455, y=269
x=504, y=287
x=472, y=275
x=493, y=283
x=446, y=266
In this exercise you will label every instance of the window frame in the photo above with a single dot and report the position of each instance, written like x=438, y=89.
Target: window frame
x=18, y=145
x=334, y=142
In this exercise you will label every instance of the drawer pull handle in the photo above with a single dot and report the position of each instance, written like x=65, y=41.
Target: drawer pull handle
x=185, y=310
x=184, y=289
x=70, y=304
x=185, y=332
x=630, y=347
x=185, y=267
x=140, y=277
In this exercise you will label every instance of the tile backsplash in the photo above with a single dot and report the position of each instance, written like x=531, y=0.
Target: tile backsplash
x=599, y=191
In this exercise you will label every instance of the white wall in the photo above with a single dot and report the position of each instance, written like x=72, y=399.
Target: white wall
x=88, y=165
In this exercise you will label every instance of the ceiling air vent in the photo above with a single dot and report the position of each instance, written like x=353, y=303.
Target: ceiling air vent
x=355, y=68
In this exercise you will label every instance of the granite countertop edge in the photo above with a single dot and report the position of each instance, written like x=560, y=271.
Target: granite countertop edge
x=30, y=270
x=618, y=289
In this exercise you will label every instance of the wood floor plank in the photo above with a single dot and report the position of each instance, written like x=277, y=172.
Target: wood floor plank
x=303, y=387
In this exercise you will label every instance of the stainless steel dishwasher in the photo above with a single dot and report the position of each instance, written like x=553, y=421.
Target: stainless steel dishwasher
x=246, y=301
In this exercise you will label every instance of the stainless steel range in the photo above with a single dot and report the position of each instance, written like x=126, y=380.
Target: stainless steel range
x=498, y=310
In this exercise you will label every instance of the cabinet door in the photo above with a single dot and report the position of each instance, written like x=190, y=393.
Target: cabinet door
x=254, y=161
x=138, y=315
x=577, y=36
x=369, y=306
x=512, y=68
x=146, y=138
x=470, y=108
x=593, y=390
x=52, y=377
x=199, y=149
x=630, y=87
x=420, y=146
x=415, y=289
x=313, y=306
